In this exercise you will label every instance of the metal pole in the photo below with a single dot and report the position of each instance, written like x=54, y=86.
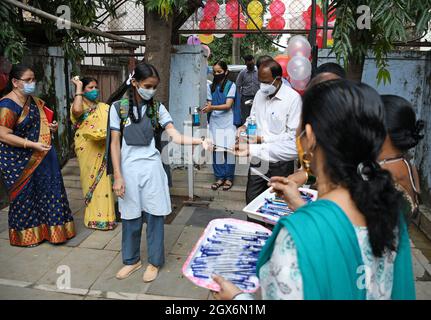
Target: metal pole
x=313, y=36
x=190, y=160
x=51, y=17
x=325, y=23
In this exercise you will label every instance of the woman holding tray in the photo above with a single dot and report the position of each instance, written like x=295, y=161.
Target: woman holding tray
x=29, y=168
x=90, y=118
x=352, y=243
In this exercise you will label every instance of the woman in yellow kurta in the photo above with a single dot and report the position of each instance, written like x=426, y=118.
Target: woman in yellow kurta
x=90, y=119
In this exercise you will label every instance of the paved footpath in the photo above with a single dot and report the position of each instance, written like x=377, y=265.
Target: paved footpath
x=94, y=257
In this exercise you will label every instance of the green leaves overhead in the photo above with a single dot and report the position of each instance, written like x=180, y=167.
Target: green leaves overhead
x=391, y=21
x=13, y=29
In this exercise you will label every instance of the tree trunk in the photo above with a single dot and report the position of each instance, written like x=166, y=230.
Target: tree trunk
x=158, y=51
x=355, y=69
x=236, y=51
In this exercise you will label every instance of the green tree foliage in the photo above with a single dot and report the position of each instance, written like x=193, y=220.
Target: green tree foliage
x=392, y=21
x=255, y=44
x=14, y=30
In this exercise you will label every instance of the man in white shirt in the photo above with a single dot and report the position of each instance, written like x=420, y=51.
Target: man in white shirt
x=277, y=109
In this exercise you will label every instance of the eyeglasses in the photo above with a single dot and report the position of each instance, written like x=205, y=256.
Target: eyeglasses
x=28, y=80
x=301, y=134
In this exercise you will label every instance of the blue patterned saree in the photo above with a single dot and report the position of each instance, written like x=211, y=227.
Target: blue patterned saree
x=39, y=209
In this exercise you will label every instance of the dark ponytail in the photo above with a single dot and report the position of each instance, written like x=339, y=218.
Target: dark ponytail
x=347, y=119
x=142, y=71
x=400, y=119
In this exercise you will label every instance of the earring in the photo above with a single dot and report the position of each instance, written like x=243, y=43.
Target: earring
x=306, y=159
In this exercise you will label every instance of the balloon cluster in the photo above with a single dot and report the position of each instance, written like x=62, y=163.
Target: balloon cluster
x=277, y=10
x=255, y=10
x=296, y=64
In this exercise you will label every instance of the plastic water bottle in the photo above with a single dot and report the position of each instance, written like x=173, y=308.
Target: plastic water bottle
x=252, y=129
x=195, y=118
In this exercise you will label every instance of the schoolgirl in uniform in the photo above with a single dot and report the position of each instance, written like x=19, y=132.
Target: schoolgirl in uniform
x=140, y=181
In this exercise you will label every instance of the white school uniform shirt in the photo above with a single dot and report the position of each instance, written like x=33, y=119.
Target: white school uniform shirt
x=277, y=119
x=142, y=169
x=221, y=128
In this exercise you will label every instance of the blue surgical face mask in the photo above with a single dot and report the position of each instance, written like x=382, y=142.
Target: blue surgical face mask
x=146, y=94
x=92, y=95
x=29, y=88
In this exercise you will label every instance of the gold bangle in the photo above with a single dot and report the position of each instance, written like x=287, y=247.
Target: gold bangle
x=25, y=143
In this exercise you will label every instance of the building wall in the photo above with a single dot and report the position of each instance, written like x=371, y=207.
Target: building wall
x=410, y=78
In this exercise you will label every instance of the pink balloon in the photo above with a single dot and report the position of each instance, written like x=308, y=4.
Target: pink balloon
x=298, y=45
x=193, y=41
x=277, y=8
x=300, y=85
x=299, y=68
x=207, y=50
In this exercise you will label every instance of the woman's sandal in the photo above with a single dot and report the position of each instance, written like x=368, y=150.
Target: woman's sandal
x=227, y=185
x=217, y=184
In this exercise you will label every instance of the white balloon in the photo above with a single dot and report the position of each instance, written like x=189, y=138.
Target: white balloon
x=222, y=11
x=299, y=68
x=223, y=23
x=200, y=14
x=298, y=45
x=219, y=35
x=297, y=23
x=296, y=8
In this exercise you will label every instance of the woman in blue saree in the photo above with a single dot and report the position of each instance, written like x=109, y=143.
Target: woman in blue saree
x=352, y=243
x=39, y=209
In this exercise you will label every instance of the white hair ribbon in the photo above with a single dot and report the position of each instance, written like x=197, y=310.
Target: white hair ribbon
x=129, y=80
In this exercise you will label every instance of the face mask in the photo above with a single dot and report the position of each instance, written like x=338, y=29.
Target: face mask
x=304, y=158
x=268, y=89
x=219, y=77
x=92, y=95
x=29, y=88
x=146, y=94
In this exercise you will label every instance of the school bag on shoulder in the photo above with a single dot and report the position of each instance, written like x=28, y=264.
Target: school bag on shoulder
x=122, y=108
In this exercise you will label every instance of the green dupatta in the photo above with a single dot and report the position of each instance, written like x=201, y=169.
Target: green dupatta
x=329, y=256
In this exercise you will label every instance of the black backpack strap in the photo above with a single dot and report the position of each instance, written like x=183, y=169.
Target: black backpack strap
x=122, y=111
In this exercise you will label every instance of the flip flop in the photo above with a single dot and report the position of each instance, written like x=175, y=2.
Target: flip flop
x=227, y=185
x=217, y=184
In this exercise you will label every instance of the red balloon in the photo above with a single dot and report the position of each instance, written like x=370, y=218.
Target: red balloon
x=207, y=24
x=232, y=8
x=3, y=80
x=331, y=15
x=318, y=11
x=276, y=23
x=283, y=60
x=211, y=9
x=277, y=8
x=306, y=15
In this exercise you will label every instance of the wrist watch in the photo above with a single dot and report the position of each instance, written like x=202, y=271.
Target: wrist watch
x=78, y=94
